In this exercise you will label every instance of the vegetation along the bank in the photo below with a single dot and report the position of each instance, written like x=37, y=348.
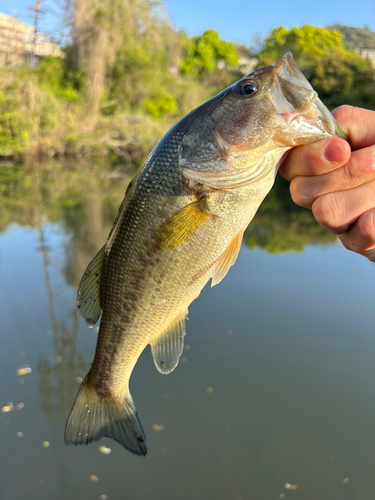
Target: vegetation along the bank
x=127, y=76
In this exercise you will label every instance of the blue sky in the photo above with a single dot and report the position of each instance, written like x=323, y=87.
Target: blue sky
x=241, y=20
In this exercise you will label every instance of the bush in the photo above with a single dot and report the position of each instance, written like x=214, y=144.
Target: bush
x=161, y=103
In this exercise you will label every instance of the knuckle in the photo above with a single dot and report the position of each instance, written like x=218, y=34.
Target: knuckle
x=293, y=189
x=302, y=192
x=366, y=231
x=359, y=169
x=326, y=211
x=286, y=167
x=349, y=172
x=296, y=191
x=370, y=255
x=306, y=159
x=309, y=158
x=351, y=175
x=348, y=243
x=368, y=161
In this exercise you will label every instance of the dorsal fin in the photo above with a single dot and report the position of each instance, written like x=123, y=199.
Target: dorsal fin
x=226, y=260
x=167, y=349
x=179, y=228
x=88, y=300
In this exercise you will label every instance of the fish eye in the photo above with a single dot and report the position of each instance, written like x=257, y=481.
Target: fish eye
x=247, y=87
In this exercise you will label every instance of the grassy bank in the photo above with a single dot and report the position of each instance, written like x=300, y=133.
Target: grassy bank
x=36, y=122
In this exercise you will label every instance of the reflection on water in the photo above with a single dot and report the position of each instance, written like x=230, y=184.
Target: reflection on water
x=275, y=394
x=84, y=197
x=56, y=382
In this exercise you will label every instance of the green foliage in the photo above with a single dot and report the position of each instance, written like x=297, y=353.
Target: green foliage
x=281, y=226
x=159, y=104
x=140, y=70
x=344, y=80
x=306, y=43
x=203, y=53
x=13, y=124
x=53, y=76
x=50, y=72
x=58, y=191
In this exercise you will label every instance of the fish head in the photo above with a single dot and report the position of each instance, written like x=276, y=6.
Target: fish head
x=250, y=125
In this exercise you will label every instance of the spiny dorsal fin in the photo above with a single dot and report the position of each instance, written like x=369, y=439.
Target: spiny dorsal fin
x=93, y=417
x=88, y=301
x=226, y=260
x=167, y=349
x=179, y=228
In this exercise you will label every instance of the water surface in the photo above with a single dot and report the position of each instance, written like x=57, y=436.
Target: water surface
x=273, y=398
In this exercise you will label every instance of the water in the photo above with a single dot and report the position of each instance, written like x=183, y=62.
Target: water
x=273, y=397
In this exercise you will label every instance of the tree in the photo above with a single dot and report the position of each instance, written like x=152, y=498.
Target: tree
x=205, y=52
x=98, y=32
x=307, y=44
x=344, y=80
x=145, y=67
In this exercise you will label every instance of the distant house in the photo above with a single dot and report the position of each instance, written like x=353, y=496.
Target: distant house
x=19, y=47
x=367, y=54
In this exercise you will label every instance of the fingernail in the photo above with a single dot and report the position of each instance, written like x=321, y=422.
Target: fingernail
x=335, y=152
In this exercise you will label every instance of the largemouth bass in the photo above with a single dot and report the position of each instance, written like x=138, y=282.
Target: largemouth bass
x=180, y=225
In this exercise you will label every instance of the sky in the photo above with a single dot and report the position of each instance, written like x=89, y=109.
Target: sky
x=238, y=21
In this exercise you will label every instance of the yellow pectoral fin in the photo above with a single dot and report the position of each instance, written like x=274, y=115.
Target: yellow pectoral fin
x=179, y=228
x=226, y=260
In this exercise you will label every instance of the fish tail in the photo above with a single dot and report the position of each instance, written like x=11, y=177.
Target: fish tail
x=93, y=417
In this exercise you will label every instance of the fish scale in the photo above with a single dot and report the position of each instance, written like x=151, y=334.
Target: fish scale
x=180, y=224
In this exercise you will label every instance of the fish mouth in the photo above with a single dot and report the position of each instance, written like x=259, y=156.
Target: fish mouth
x=297, y=102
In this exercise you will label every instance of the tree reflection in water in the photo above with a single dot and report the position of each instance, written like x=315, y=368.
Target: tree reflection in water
x=84, y=196
x=57, y=383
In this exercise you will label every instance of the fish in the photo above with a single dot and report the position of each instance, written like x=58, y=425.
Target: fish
x=181, y=224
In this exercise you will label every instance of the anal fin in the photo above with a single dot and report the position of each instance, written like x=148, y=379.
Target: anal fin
x=179, y=228
x=167, y=349
x=226, y=260
x=88, y=300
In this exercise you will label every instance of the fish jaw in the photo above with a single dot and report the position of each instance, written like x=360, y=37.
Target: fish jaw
x=305, y=117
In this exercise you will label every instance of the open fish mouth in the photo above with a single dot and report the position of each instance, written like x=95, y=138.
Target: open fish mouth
x=298, y=104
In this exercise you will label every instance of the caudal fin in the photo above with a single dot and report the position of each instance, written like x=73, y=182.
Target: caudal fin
x=92, y=418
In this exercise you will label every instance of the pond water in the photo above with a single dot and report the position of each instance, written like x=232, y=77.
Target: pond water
x=273, y=398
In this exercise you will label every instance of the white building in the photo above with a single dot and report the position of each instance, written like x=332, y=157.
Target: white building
x=18, y=45
x=367, y=54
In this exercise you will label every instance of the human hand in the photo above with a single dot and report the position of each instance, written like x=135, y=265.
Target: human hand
x=337, y=181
